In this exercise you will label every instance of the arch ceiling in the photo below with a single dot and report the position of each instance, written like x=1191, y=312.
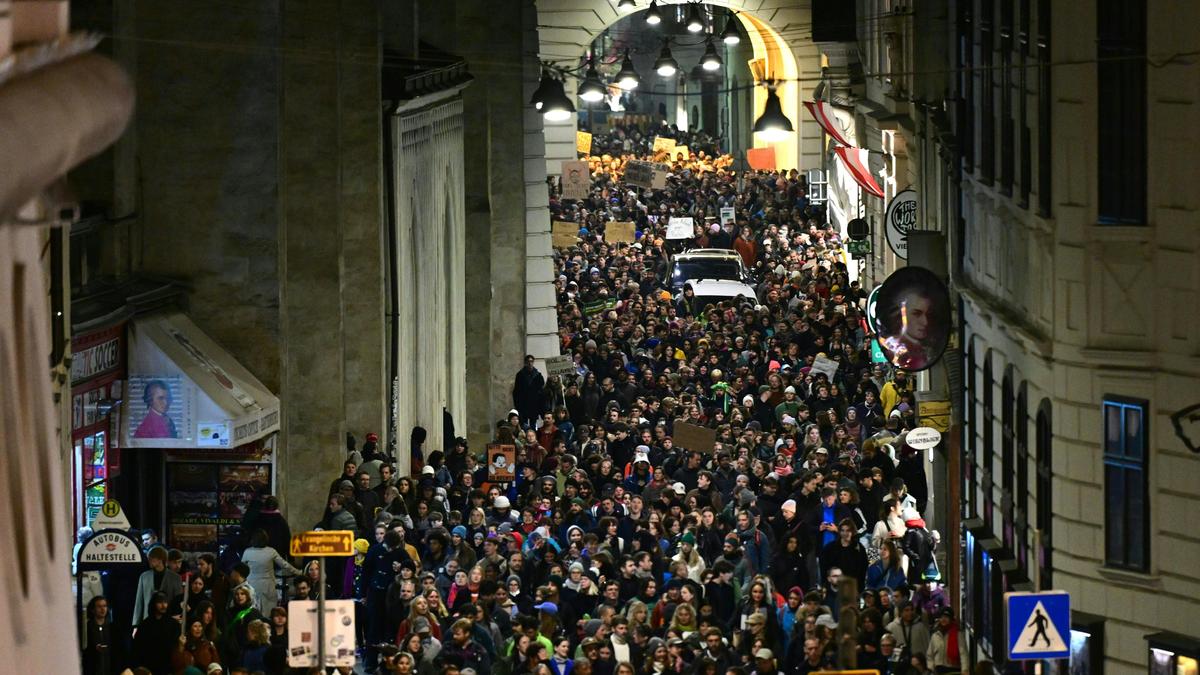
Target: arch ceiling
x=779, y=30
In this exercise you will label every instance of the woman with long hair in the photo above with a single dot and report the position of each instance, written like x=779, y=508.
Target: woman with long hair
x=206, y=613
x=236, y=634
x=683, y=620
x=886, y=572
x=789, y=568
x=419, y=607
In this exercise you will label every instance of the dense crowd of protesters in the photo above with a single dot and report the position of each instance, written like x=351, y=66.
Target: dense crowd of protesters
x=615, y=550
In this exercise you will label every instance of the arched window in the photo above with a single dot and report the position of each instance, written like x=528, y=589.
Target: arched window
x=1007, y=458
x=989, y=440
x=1045, y=485
x=1021, y=493
x=970, y=434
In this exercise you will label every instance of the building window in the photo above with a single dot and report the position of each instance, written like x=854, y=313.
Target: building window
x=1021, y=494
x=1121, y=77
x=989, y=447
x=969, y=460
x=1026, y=182
x=1044, y=438
x=1045, y=109
x=1126, y=505
x=966, y=56
x=987, y=122
x=1007, y=460
x=1007, y=123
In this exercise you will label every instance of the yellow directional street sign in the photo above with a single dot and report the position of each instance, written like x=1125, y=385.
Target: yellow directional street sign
x=323, y=543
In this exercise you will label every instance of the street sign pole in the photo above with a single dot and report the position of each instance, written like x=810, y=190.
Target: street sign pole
x=321, y=616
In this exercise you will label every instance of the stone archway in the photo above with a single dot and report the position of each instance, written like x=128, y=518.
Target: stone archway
x=780, y=32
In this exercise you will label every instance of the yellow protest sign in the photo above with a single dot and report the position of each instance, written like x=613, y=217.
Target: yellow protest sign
x=663, y=144
x=681, y=152
x=619, y=232
x=583, y=142
x=563, y=235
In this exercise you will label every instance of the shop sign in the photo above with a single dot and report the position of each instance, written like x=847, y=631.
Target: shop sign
x=323, y=543
x=901, y=217
x=96, y=360
x=923, y=438
x=110, y=547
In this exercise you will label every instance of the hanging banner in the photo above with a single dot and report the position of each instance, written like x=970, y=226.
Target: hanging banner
x=576, y=179
x=835, y=122
x=583, y=142
x=663, y=144
x=619, y=232
x=761, y=159
x=563, y=234
x=680, y=228
x=901, y=217
x=857, y=163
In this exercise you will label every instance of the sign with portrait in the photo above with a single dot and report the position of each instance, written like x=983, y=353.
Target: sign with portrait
x=576, y=179
x=159, y=409
x=900, y=218
x=913, y=318
x=502, y=462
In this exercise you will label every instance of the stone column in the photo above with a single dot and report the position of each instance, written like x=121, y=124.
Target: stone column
x=541, y=317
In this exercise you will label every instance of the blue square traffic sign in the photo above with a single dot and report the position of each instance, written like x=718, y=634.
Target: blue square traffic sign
x=1039, y=625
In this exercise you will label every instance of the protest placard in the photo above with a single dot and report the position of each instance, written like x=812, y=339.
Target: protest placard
x=680, y=228
x=563, y=235
x=576, y=179
x=619, y=232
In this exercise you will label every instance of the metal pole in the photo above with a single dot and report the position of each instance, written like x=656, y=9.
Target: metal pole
x=321, y=617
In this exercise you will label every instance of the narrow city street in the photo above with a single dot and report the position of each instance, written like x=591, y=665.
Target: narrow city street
x=599, y=337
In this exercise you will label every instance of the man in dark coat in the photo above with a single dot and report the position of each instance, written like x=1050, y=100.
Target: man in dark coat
x=528, y=393
x=156, y=637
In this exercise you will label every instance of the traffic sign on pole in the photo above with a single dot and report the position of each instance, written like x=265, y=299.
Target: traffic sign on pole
x=1039, y=625
x=323, y=543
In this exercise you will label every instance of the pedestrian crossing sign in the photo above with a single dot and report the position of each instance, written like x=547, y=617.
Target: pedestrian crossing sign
x=1039, y=625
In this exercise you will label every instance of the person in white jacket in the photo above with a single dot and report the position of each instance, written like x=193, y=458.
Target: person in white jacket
x=689, y=556
x=263, y=561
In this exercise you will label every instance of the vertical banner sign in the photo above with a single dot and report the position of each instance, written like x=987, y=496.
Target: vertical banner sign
x=728, y=216
x=583, y=142
x=901, y=217
x=576, y=179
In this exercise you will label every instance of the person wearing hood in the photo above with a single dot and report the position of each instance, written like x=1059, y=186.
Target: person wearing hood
x=502, y=511
x=638, y=473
